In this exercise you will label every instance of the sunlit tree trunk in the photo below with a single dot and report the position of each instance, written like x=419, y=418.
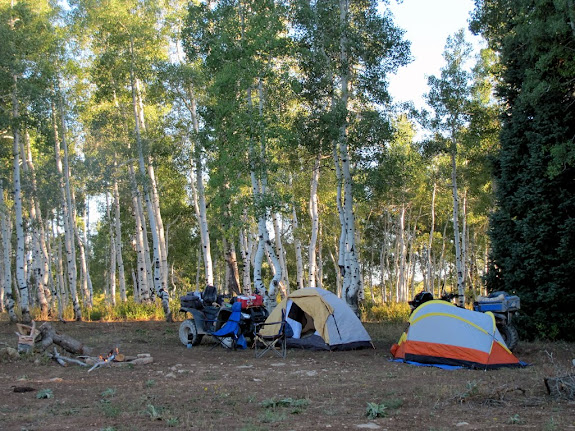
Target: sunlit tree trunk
x=430, y=270
x=86, y=280
x=297, y=245
x=60, y=140
x=314, y=217
x=6, y=252
x=160, y=224
x=118, y=232
x=159, y=285
x=61, y=283
x=41, y=259
x=112, y=256
x=55, y=299
x=246, y=247
x=19, y=221
x=457, y=238
x=338, y=283
x=320, y=258
x=198, y=194
x=280, y=251
x=142, y=263
x=232, y=273
x=259, y=186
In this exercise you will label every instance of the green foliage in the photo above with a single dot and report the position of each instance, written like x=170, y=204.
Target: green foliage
x=45, y=393
x=532, y=231
x=129, y=310
x=375, y=410
x=381, y=410
x=295, y=406
x=387, y=312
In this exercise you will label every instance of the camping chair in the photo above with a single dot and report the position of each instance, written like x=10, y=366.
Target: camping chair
x=271, y=342
x=231, y=329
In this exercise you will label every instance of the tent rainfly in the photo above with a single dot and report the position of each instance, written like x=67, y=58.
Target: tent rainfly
x=441, y=333
x=320, y=321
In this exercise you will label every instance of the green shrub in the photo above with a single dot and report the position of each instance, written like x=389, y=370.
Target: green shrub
x=388, y=312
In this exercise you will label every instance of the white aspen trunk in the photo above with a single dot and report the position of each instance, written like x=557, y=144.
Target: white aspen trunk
x=339, y=199
x=160, y=224
x=55, y=299
x=371, y=289
x=464, y=238
x=135, y=286
x=72, y=217
x=68, y=228
x=402, y=255
x=232, y=272
x=160, y=288
x=198, y=194
x=441, y=279
x=297, y=244
x=338, y=283
x=40, y=251
x=85, y=244
x=246, y=251
x=20, y=240
x=320, y=258
x=430, y=270
x=281, y=253
x=198, y=270
x=6, y=251
x=142, y=270
x=382, y=266
x=275, y=281
x=62, y=291
x=352, y=280
x=457, y=239
x=314, y=217
x=86, y=280
x=118, y=232
x=38, y=263
x=112, y=257
x=259, y=191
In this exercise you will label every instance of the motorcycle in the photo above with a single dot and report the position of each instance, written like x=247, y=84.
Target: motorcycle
x=209, y=313
x=502, y=305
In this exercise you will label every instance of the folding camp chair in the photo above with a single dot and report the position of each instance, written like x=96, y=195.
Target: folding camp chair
x=276, y=342
x=231, y=330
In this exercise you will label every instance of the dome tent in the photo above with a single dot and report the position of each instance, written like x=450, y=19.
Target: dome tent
x=443, y=334
x=325, y=321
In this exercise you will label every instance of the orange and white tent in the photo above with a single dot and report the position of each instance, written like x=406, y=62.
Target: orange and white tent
x=441, y=333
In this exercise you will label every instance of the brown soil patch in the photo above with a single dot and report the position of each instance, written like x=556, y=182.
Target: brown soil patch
x=215, y=389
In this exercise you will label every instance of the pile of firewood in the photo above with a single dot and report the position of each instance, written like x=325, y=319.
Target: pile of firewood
x=30, y=339
x=562, y=387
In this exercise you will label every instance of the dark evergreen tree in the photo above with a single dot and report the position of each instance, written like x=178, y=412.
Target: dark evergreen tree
x=533, y=228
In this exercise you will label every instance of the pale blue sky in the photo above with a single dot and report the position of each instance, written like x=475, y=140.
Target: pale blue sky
x=428, y=23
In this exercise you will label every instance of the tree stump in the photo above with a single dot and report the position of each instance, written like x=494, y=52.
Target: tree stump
x=49, y=336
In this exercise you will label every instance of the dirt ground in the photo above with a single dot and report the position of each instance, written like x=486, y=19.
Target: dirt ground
x=215, y=389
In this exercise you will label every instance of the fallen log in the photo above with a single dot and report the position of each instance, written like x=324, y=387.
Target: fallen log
x=141, y=359
x=64, y=360
x=561, y=387
x=49, y=336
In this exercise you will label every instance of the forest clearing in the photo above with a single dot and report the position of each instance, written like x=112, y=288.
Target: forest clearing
x=216, y=389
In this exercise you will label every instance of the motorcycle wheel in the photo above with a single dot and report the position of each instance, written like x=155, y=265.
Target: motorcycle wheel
x=510, y=336
x=188, y=332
